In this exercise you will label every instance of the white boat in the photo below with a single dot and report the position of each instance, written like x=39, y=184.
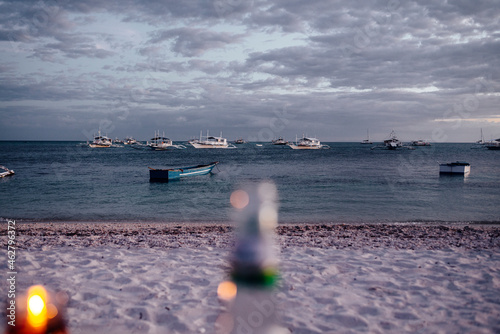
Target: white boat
x=393, y=142
x=162, y=143
x=458, y=168
x=279, y=141
x=7, y=172
x=101, y=141
x=211, y=142
x=367, y=140
x=130, y=141
x=493, y=145
x=481, y=141
x=420, y=142
x=307, y=143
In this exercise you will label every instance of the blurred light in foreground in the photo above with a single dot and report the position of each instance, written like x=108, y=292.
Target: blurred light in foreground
x=227, y=290
x=37, y=311
x=239, y=199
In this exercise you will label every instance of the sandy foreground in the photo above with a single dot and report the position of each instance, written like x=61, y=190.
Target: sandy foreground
x=163, y=278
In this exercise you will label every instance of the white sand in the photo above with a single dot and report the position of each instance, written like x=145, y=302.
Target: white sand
x=131, y=288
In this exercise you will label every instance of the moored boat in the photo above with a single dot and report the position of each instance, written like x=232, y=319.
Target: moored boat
x=420, y=142
x=240, y=141
x=6, y=171
x=455, y=168
x=307, y=143
x=171, y=174
x=162, y=143
x=211, y=142
x=367, y=140
x=493, y=145
x=280, y=141
x=101, y=141
x=130, y=141
x=393, y=142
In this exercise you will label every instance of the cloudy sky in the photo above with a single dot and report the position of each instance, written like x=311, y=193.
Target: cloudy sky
x=255, y=69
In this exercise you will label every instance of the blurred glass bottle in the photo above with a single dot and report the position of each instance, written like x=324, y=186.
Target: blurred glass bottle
x=255, y=263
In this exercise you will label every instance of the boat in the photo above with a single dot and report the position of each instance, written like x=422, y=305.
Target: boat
x=307, y=143
x=7, y=172
x=367, y=140
x=171, y=174
x=493, y=145
x=162, y=143
x=481, y=141
x=240, y=141
x=420, y=142
x=100, y=141
x=211, y=142
x=393, y=142
x=130, y=141
x=455, y=168
x=280, y=141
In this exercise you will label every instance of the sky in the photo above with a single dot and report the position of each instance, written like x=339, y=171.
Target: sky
x=256, y=69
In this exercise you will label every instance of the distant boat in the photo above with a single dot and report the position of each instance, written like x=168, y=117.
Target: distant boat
x=393, y=142
x=211, y=142
x=166, y=175
x=7, y=172
x=420, y=142
x=280, y=141
x=481, y=141
x=493, y=145
x=162, y=143
x=101, y=141
x=455, y=168
x=130, y=141
x=240, y=141
x=367, y=140
x=307, y=143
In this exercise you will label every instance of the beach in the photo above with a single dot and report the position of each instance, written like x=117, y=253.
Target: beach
x=334, y=278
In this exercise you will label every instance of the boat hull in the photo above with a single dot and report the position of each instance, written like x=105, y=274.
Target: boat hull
x=454, y=169
x=300, y=147
x=166, y=175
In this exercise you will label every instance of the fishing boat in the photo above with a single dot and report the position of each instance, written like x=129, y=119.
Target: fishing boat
x=493, y=145
x=6, y=171
x=171, y=174
x=393, y=142
x=420, y=142
x=455, y=168
x=162, y=143
x=279, y=141
x=211, y=142
x=100, y=141
x=367, y=140
x=307, y=143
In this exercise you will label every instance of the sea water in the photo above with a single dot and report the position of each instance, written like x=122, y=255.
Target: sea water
x=350, y=182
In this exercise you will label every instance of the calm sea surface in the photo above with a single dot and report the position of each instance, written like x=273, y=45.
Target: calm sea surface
x=63, y=181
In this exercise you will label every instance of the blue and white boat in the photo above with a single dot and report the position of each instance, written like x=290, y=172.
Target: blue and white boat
x=171, y=174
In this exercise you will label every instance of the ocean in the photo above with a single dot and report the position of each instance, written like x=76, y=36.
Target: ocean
x=349, y=183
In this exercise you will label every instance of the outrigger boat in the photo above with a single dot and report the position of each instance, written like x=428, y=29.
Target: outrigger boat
x=307, y=143
x=7, y=172
x=393, y=142
x=211, y=142
x=162, y=143
x=171, y=174
x=101, y=141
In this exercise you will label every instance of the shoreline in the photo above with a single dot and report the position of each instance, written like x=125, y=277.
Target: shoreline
x=220, y=235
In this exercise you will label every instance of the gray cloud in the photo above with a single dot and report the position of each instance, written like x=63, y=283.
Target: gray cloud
x=338, y=67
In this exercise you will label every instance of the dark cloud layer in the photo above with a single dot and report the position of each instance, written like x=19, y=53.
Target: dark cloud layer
x=255, y=68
